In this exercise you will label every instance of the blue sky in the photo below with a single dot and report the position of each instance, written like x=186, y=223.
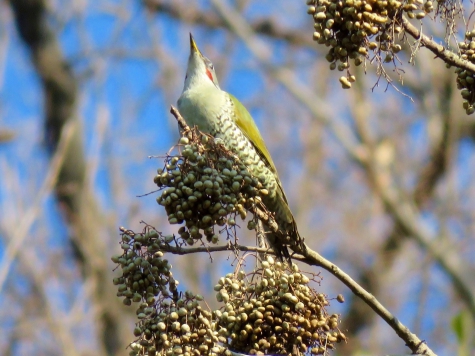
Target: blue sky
x=123, y=88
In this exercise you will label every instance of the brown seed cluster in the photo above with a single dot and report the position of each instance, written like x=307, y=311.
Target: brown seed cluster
x=145, y=274
x=180, y=327
x=169, y=322
x=351, y=28
x=271, y=310
x=205, y=186
x=274, y=311
x=466, y=79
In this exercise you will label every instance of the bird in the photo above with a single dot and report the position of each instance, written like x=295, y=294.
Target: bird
x=215, y=112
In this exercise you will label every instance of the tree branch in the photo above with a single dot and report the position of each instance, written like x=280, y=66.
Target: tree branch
x=17, y=240
x=181, y=121
x=209, y=19
x=446, y=55
x=416, y=345
x=312, y=258
x=439, y=160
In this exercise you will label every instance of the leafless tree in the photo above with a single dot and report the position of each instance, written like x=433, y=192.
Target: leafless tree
x=378, y=176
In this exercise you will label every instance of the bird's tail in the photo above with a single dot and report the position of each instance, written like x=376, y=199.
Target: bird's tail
x=287, y=236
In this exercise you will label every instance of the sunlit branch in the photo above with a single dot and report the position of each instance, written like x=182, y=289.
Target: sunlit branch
x=439, y=50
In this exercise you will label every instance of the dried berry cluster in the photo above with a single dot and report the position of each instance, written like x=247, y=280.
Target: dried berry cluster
x=466, y=79
x=206, y=186
x=180, y=327
x=170, y=322
x=274, y=311
x=348, y=26
x=145, y=274
x=270, y=310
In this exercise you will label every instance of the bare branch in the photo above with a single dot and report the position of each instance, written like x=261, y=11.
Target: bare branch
x=446, y=55
x=209, y=249
x=314, y=259
x=266, y=27
x=435, y=169
x=181, y=121
x=431, y=174
x=28, y=261
x=406, y=215
x=17, y=240
x=416, y=345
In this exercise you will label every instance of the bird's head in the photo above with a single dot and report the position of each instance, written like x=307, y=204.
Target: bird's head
x=200, y=70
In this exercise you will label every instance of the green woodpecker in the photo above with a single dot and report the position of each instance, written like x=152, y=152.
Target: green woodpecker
x=218, y=113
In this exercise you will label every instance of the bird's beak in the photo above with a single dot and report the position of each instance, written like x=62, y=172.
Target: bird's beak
x=193, y=46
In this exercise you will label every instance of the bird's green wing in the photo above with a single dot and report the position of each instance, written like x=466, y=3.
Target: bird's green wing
x=248, y=127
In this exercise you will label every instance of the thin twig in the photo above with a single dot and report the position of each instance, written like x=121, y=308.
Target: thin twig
x=261, y=239
x=181, y=121
x=17, y=240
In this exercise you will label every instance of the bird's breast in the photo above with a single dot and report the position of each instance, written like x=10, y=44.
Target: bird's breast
x=202, y=108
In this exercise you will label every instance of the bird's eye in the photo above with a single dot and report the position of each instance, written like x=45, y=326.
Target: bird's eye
x=211, y=66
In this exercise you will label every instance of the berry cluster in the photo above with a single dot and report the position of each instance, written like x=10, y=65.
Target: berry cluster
x=169, y=322
x=466, y=79
x=271, y=310
x=206, y=186
x=145, y=274
x=274, y=311
x=180, y=327
x=348, y=26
